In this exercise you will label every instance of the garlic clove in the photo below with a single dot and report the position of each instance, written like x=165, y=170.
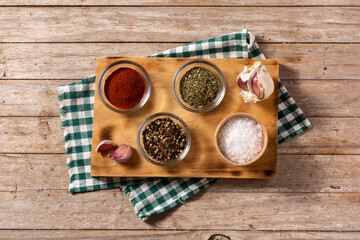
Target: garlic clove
x=257, y=87
x=242, y=84
x=122, y=154
x=105, y=145
x=266, y=81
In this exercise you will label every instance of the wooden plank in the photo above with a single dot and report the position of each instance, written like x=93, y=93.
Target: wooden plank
x=65, y=61
x=313, y=97
x=295, y=173
x=328, y=136
x=314, y=61
x=85, y=24
x=29, y=97
x=31, y=135
x=77, y=60
x=31, y=172
x=209, y=162
x=303, y=173
x=17, y=100
x=206, y=210
x=179, y=3
x=44, y=135
x=173, y=234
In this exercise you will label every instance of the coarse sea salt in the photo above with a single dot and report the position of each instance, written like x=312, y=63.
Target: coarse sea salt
x=240, y=139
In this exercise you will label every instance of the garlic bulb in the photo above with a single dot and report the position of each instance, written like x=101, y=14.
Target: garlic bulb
x=256, y=83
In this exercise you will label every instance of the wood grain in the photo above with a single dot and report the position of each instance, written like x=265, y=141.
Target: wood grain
x=332, y=136
x=31, y=135
x=295, y=173
x=209, y=210
x=302, y=173
x=17, y=100
x=77, y=60
x=44, y=135
x=313, y=97
x=202, y=126
x=320, y=193
x=255, y=3
x=107, y=24
x=173, y=234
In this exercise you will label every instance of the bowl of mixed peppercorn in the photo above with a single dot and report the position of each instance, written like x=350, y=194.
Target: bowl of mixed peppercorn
x=198, y=86
x=163, y=139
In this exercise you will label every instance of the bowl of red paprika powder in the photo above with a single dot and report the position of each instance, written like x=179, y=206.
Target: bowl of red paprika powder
x=124, y=86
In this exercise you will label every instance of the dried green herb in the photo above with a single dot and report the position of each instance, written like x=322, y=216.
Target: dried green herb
x=199, y=87
x=164, y=140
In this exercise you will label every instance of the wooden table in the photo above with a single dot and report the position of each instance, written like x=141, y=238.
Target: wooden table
x=316, y=194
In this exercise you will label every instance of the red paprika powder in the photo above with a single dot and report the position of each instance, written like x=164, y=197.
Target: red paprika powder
x=124, y=88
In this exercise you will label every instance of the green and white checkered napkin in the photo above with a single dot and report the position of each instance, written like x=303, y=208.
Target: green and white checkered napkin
x=150, y=196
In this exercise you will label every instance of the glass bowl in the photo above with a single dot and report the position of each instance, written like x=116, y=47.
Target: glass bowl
x=204, y=64
x=242, y=115
x=115, y=66
x=176, y=120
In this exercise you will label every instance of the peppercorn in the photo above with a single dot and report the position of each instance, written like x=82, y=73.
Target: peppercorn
x=164, y=140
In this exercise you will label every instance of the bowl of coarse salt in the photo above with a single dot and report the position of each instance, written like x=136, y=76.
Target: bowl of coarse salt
x=241, y=139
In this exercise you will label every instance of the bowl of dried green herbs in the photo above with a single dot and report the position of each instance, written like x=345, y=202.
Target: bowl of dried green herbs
x=198, y=86
x=163, y=139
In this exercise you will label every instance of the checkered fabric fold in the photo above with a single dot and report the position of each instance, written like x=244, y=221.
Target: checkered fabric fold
x=150, y=196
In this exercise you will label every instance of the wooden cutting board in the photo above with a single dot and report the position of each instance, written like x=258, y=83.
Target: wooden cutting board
x=202, y=160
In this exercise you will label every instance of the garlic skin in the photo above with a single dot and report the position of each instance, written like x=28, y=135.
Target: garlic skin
x=105, y=145
x=256, y=83
x=122, y=154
